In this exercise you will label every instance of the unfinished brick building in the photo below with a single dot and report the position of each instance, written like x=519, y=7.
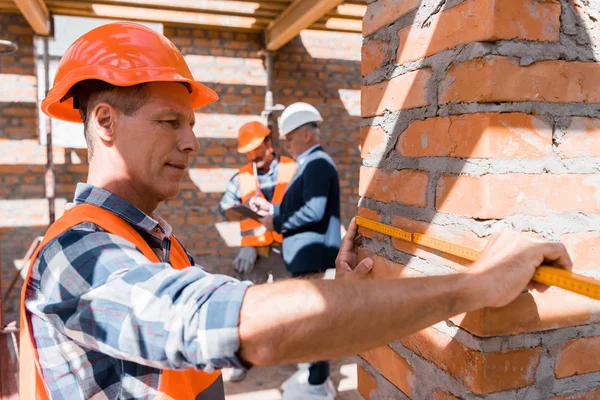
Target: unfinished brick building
x=477, y=115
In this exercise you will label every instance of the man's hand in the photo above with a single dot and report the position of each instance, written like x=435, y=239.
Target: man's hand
x=267, y=221
x=507, y=264
x=345, y=263
x=260, y=205
x=244, y=262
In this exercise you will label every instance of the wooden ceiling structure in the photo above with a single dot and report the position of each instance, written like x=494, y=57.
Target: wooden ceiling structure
x=280, y=20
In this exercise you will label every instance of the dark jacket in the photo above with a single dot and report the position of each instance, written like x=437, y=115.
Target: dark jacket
x=309, y=215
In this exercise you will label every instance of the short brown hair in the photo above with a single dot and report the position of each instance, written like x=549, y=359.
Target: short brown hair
x=88, y=94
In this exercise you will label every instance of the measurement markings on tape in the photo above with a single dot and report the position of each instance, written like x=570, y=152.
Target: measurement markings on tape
x=549, y=276
x=568, y=280
x=447, y=247
x=383, y=228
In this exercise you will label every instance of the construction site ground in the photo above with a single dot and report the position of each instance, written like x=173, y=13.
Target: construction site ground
x=265, y=383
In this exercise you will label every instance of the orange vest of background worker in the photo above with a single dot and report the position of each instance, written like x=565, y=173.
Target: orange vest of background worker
x=266, y=175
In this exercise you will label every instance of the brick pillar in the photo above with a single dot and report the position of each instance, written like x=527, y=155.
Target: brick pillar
x=477, y=116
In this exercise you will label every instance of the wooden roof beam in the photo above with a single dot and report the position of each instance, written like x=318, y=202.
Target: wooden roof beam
x=298, y=16
x=37, y=14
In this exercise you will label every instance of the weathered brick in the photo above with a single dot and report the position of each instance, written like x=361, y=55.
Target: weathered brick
x=545, y=81
x=480, y=372
x=582, y=139
x=374, y=52
x=498, y=196
x=488, y=135
x=367, y=386
x=583, y=249
x=371, y=139
x=384, y=268
x=532, y=312
x=465, y=238
x=384, y=12
x=406, y=186
x=571, y=360
x=392, y=366
x=480, y=20
x=401, y=93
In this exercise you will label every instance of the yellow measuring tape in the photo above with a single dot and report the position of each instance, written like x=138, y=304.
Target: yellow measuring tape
x=546, y=275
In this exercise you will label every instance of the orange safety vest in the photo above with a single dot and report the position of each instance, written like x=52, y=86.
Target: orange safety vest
x=174, y=384
x=253, y=232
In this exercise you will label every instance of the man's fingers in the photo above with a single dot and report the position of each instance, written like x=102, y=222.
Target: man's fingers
x=345, y=267
x=348, y=242
x=533, y=285
x=363, y=267
x=361, y=270
x=557, y=254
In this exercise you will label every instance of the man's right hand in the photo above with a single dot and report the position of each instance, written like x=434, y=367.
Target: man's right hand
x=507, y=264
x=260, y=205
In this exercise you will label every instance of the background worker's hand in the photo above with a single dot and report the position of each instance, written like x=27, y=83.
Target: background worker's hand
x=244, y=262
x=345, y=263
x=260, y=205
x=507, y=264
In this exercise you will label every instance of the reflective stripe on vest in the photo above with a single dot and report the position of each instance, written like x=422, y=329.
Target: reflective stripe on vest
x=174, y=384
x=253, y=233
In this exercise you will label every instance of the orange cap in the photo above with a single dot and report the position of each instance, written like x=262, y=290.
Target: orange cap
x=251, y=135
x=122, y=54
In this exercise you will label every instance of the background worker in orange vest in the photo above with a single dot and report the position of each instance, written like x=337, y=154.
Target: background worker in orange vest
x=267, y=175
x=113, y=307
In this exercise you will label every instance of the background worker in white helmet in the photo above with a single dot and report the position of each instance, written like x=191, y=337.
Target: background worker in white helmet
x=309, y=220
x=267, y=175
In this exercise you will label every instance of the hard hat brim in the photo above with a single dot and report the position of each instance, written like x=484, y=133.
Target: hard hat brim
x=251, y=145
x=53, y=107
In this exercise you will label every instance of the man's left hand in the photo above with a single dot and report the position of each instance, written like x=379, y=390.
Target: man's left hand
x=345, y=263
x=267, y=221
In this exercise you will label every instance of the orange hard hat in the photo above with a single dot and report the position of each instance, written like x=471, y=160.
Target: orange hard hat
x=121, y=54
x=251, y=135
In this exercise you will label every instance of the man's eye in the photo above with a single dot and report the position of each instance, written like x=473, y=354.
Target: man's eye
x=171, y=122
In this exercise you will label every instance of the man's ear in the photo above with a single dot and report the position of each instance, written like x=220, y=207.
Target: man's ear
x=103, y=119
x=307, y=134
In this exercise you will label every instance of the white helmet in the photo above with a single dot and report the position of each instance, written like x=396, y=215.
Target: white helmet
x=296, y=115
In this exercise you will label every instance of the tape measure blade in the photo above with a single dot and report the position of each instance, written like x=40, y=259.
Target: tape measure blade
x=447, y=247
x=383, y=228
x=583, y=285
x=546, y=275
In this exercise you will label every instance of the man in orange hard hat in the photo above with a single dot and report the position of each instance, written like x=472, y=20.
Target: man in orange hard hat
x=267, y=175
x=114, y=307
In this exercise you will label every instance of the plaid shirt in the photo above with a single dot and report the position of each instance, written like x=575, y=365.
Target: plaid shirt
x=106, y=320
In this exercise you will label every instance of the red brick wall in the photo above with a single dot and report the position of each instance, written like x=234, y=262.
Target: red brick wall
x=479, y=116
x=312, y=68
